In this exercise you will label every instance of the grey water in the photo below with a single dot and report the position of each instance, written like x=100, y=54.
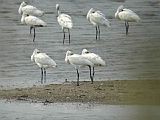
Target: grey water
x=132, y=57
x=13, y=110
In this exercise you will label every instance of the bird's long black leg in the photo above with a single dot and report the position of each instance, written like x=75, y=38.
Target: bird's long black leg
x=69, y=35
x=99, y=31
x=77, y=78
x=90, y=74
x=96, y=32
x=93, y=72
x=63, y=36
x=41, y=75
x=44, y=75
x=34, y=34
x=31, y=29
x=127, y=27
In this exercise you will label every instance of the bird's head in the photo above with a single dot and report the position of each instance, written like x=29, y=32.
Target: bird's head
x=23, y=4
x=89, y=12
x=120, y=8
x=69, y=53
x=25, y=14
x=57, y=6
x=36, y=51
x=85, y=51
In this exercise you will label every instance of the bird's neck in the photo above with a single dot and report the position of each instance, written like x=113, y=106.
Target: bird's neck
x=23, y=19
x=58, y=12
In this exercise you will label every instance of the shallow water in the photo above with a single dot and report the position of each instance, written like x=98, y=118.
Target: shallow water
x=11, y=110
x=135, y=56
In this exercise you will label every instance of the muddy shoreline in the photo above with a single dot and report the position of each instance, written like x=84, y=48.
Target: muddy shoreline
x=117, y=92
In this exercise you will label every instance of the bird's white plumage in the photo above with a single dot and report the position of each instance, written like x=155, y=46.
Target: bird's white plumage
x=31, y=10
x=42, y=60
x=64, y=20
x=97, y=18
x=126, y=15
x=94, y=58
x=77, y=60
x=32, y=21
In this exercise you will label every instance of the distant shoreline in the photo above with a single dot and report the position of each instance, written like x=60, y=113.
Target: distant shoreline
x=117, y=92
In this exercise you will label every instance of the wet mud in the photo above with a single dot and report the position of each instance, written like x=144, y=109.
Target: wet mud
x=118, y=92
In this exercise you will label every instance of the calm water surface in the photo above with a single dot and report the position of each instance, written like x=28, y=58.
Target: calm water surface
x=135, y=56
x=11, y=110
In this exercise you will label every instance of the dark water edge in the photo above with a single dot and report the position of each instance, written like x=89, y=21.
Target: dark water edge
x=76, y=111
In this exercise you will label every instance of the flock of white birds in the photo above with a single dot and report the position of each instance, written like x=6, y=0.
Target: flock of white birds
x=30, y=16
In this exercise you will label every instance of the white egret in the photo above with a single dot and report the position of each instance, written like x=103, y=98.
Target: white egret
x=78, y=61
x=43, y=61
x=127, y=16
x=65, y=21
x=94, y=58
x=31, y=10
x=97, y=18
x=32, y=21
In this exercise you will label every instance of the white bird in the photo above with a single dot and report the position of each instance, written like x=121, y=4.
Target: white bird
x=97, y=18
x=94, y=58
x=43, y=61
x=78, y=61
x=127, y=16
x=65, y=21
x=32, y=21
x=31, y=10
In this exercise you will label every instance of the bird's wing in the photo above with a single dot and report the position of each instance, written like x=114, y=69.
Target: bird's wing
x=128, y=15
x=79, y=60
x=31, y=10
x=34, y=21
x=44, y=59
x=96, y=59
x=99, y=18
x=65, y=21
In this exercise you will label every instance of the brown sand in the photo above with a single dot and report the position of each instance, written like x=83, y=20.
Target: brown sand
x=128, y=92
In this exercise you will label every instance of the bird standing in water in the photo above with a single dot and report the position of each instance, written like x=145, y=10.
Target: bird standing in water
x=127, y=16
x=65, y=21
x=97, y=18
x=33, y=22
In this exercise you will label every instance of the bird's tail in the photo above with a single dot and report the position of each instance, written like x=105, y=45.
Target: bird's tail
x=38, y=13
x=107, y=23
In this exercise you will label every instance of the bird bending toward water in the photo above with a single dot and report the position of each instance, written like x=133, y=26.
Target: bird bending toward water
x=127, y=16
x=97, y=18
x=78, y=61
x=43, y=61
x=32, y=21
x=65, y=21
x=31, y=10
x=94, y=58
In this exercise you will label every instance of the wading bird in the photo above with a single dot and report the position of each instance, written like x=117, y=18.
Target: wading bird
x=94, y=58
x=43, y=61
x=78, y=61
x=97, y=18
x=30, y=10
x=65, y=21
x=127, y=16
x=32, y=21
